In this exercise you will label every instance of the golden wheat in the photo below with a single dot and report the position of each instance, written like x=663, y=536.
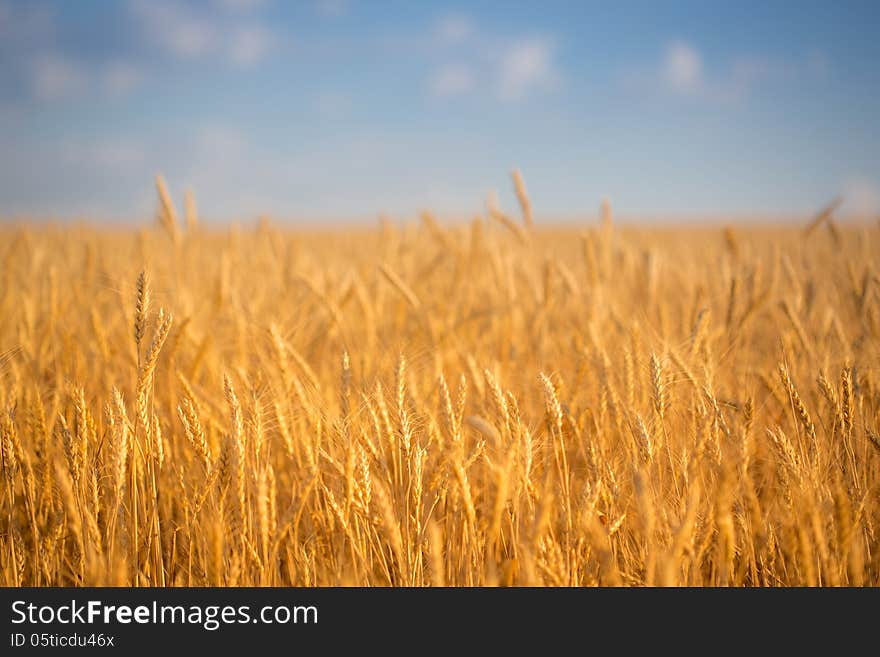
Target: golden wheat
x=429, y=404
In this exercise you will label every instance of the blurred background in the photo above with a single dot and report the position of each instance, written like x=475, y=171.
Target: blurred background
x=332, y=110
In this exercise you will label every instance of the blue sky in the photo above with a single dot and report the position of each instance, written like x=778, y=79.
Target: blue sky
x=341, y=109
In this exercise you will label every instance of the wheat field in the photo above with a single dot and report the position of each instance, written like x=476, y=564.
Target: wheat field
x=494, y=402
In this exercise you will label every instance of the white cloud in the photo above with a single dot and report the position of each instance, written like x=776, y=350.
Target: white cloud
x=189, y=38
x=684, y=72
x=683, y=68
x=454, y=28
x=248, y=45
x=30, y=39
x=525, y=66
x=452, y=80
x=187, y=34
x=861, y=197
x=176, y=29
x=465, y=60
x=54, y=77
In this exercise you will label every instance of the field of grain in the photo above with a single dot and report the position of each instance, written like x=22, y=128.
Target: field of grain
x=420, y=403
